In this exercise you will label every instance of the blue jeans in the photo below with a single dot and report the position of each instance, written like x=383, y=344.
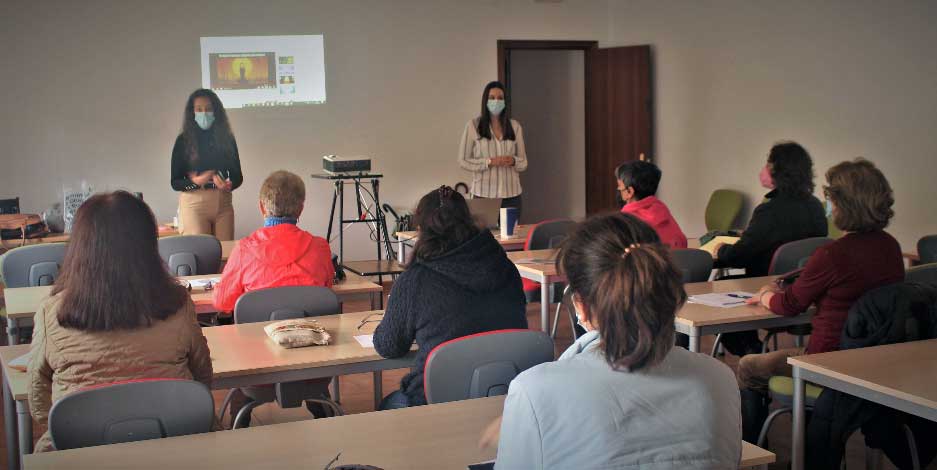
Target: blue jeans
x=395, y=400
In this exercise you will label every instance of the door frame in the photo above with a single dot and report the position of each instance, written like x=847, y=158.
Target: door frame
x=506, y=46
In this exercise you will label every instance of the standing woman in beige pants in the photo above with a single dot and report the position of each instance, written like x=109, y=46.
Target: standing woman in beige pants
x=206, y=168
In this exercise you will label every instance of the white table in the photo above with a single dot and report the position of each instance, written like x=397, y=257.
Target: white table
x=513, y=243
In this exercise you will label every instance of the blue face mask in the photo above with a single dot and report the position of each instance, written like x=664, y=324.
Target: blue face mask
x=829, y=208
x=205, y=119
x=496, y=106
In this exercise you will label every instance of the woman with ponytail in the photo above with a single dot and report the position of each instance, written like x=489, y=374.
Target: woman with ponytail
x=460, y=282
x=622, y=396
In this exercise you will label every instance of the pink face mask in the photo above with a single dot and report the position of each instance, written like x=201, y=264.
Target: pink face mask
x=765, y=178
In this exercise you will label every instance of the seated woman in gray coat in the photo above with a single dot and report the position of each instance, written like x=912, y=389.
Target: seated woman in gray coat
x=622, y=396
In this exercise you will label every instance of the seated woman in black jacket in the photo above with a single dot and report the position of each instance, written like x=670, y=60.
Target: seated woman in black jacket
x=459, y=282
x=789, y=213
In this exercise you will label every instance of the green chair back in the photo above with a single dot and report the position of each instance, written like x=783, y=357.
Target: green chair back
x=722, y=210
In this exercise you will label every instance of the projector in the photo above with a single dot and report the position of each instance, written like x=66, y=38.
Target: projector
x=336, y=164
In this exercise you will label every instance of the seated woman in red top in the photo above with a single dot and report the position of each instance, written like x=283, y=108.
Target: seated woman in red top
x=637, y=185
x=278, y=254
x=866, y=257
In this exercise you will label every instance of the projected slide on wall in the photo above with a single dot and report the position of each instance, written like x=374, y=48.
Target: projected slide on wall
x=264, y=71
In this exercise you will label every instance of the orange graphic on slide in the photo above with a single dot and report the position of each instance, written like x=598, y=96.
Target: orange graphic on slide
x=242, y=70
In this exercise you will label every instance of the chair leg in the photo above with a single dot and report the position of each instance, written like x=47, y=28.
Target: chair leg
x=873, y=458
x=763, y=435
x=336, y=408
x=912, y=446
x=556, y=320
x=798, y=341
x=775, y=342
x=225, y=403
x=716, y=345
x=245, y=411
x=764, y=344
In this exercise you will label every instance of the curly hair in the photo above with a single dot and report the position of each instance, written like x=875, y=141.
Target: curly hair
x=444, y=223
x=791, y=168
x=220, y=130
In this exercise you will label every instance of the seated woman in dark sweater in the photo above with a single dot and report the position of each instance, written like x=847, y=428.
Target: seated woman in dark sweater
x=459, y=282
x=790, y=213
x=866, y=257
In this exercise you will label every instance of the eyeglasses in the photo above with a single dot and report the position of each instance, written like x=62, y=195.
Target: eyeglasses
x=371, y=319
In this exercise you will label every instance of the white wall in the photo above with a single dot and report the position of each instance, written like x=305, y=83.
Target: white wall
x=548, y=99
x=843, y=78
x=95, y=89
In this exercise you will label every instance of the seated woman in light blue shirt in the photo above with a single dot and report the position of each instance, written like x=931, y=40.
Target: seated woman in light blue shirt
x=622, y=396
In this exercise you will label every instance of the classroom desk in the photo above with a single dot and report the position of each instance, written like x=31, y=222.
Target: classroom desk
x=163, y=231
x=226, y=247
x=242, y=355
x=543, y=272
x=513, y=243
x=442, y=436
x=697, y=320
x=900, y=376
x=22, y=302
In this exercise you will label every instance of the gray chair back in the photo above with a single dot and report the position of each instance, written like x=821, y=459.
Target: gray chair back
x=695, y=265
x=794, y=255
x=284, y=303
x=131, y=411
x=922, y=274
x=482, y=365
x=927, y=249
x=33, y=265
x=549, y=234
x=189, y=255
x=10, y=206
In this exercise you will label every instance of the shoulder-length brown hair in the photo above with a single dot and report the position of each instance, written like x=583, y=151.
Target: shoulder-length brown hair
x=112, y=276
x=861, y=195
x=617, y=267
x=444, y=222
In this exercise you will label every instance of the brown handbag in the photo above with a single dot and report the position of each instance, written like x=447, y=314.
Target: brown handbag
x=28, y=226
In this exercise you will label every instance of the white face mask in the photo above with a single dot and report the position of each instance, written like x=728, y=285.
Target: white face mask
x=205, y=119
x=495, y=107
x=579, y=321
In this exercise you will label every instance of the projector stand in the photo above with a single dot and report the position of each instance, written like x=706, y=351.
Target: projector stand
x=385, y=263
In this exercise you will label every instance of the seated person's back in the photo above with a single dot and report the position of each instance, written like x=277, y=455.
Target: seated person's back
x=622, y=396
x=637, y=186
x=460, y=282
x=280, y=253
x=115, y=313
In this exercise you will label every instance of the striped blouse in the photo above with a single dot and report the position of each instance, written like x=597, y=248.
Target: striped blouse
x=498, y=181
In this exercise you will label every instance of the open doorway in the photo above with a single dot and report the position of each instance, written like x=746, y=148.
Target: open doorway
x=585, y=110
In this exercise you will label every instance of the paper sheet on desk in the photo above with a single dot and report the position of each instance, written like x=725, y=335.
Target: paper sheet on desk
x=722, y=299
x=21, y=362
x=202, y=283
x=366, y=341
x=535, y=261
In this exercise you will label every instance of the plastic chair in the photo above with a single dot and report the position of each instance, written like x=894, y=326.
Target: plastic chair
x=189, y=255
x=695, y=265
x=722, y=209
x=33, y=265
x=927, y=249
x=284, y=303
x=483, y=364
x=922, y=274
x=133, y=410
x=545, y=235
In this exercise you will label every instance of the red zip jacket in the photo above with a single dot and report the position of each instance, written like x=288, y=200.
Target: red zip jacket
x=654, y=213
x=282, y=255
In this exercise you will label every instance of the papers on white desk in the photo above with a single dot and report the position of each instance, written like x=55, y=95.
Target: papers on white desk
x=536, y=261
x=366, y=341
x=21, y=362
x=721, y=299
x=203, y=283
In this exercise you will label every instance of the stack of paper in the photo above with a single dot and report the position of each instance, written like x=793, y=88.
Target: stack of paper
x=721, y=299
x=711, y=246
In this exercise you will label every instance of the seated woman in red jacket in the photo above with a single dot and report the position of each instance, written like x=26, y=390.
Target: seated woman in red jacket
x=637, y=185
x=866, y=257
x=278, y=254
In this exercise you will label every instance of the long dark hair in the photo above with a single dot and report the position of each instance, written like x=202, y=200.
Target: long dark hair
x=484, y=120
x=112, y=276
x=617, y=267
x=220, y=131
x=444, y=222
x=791, y=169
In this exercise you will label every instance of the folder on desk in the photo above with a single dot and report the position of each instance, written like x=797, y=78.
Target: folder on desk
x=711, y=246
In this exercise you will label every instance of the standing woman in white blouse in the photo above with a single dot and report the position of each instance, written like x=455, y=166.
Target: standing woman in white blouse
x=493, y=150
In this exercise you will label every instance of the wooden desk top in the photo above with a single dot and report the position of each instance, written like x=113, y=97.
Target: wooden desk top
x=696, y=315
x=546, y=270
x=245, y=349
x=373, y=267
x=19, y=381
x=516, y=241
x=443, y=436
x=163, y=231
x=226, y=247
x=22, y=302
x=907, y=371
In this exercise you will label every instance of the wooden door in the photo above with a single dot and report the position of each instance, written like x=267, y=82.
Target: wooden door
x=619, y=118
